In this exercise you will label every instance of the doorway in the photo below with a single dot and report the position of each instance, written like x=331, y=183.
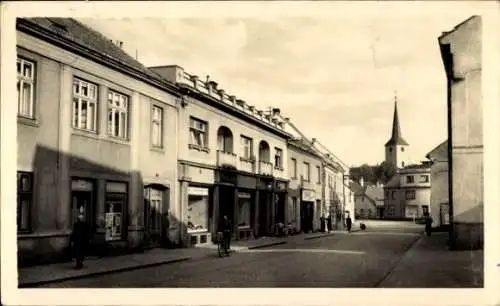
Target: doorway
x=306, y=216
x=155, y=213
x=263, y=213
x=226, y=204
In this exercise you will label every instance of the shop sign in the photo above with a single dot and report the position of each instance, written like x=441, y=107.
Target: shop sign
x=308, y=195
x=244, y=195
x=113, y=226
x=199, y=191
x=227, y=177
x=116, y=187
x=81, y=185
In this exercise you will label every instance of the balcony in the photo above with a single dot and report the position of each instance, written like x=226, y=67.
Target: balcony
x=226, y=159
x=265, y=168
x=247, y=165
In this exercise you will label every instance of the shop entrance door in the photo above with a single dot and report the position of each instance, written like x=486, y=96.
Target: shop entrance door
x=307, y=215
x=82, y=202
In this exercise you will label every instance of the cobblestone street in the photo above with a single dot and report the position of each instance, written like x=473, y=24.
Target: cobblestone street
x=362, y=259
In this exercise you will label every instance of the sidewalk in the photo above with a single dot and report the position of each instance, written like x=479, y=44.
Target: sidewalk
x=429, y=263
x=38, y=275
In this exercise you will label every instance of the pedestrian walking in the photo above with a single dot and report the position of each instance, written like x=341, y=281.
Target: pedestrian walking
x=428, y=223
x=348, y=222
x=80, y=240
x=226, y=231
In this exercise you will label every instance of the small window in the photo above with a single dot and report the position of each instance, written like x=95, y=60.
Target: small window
x=157, y=126
x=402, y=149
x=318, y=171
x=410, y=179
x=199, y=132
x=84, y=105
x=424, y=179
x=278, y=158
x=24, y=200
x=25, y=88
x=307, y=172
x=118, y=106
x=410, y=194
x=293, y=168
x=394, y=195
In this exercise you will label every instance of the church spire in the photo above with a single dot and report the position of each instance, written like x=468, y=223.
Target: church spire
x=396, y=138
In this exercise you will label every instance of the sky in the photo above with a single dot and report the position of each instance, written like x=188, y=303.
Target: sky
x=334, y=77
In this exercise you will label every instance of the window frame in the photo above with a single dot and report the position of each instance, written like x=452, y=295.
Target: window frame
x=410, y=194
x=424, y=178
x=410, y=179
x=278, y=158
x=318, y=169
x=24, y=194
x=80, y=98
x=32, y=80
x=244, y=141
x=159, y=122
x=120, y=109
x=197, y=131
x=307, y=175
x=293, y=168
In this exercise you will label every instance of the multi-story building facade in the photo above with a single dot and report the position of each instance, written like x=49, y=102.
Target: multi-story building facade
x=408, y=193
x=232, y=161
x=461, y=51
x=305, y=187
x=95, y=131
x=439, y=187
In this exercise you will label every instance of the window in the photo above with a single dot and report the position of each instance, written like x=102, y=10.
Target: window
x=84, y=105
x=198, y=130
x=425, y=209
x=24, y=200
x=409, y=179
x=362, y=212
x=115, y=209
x=330, y=181
x=402, y=149
x=318, y=172
x=424, y=179
x=307, y=172
x=25, y=88
x=198, y=209
x=293, y=169
x=157, y=126
x=410, y=194
x=390, y=149
x=278, y=158
x=247, y=145
x=394, y=195
x=117, y=115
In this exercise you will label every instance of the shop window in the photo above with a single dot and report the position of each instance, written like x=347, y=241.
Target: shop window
x=82, y=195
x=197, y=212
x=115, y=208
x=293, y=210
x=24, y=200
x=244, y=205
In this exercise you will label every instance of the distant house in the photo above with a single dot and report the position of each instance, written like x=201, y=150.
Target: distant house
x=368, y=199
x=439, y=188
x=408, y=193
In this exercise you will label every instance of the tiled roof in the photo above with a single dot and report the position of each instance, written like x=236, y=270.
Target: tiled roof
x=440, y=151
x=356, y=188
x=80, y=34
x=375, y=192
x=396, y=137
x=394, y=182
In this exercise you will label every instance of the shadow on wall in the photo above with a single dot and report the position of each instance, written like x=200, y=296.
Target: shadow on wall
x=55, y=201
x=469, y=229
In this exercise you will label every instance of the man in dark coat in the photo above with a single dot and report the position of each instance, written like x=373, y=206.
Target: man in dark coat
x=348, y=223
x=428, y=223
x=80, y=240
x=226, y=231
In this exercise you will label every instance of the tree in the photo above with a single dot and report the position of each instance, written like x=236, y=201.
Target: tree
x=385, y=172
x=366, y=171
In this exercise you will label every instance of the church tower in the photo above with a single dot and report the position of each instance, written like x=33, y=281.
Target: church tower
x=396, y=149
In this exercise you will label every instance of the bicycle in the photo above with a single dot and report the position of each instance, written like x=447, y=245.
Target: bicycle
x=222, y=247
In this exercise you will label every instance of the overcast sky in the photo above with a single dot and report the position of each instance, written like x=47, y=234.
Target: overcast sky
x=334, y=77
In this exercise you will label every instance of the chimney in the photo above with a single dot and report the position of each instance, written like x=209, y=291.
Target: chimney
x=313, y=140
x=194, y=79
x=232, y=99
x=276, y=111
x=119, y=43
x=221, y=93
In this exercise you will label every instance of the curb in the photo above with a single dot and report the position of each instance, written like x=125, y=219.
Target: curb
x=98, y=273
x=267, y=245
x=331, y=234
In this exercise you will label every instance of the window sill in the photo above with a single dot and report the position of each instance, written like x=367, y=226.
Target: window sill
x=85, y=133
x=278, y=168
x=28, y=121
x=158, y=149
x=248, y=160
x=198, y=148
x=118, y=139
